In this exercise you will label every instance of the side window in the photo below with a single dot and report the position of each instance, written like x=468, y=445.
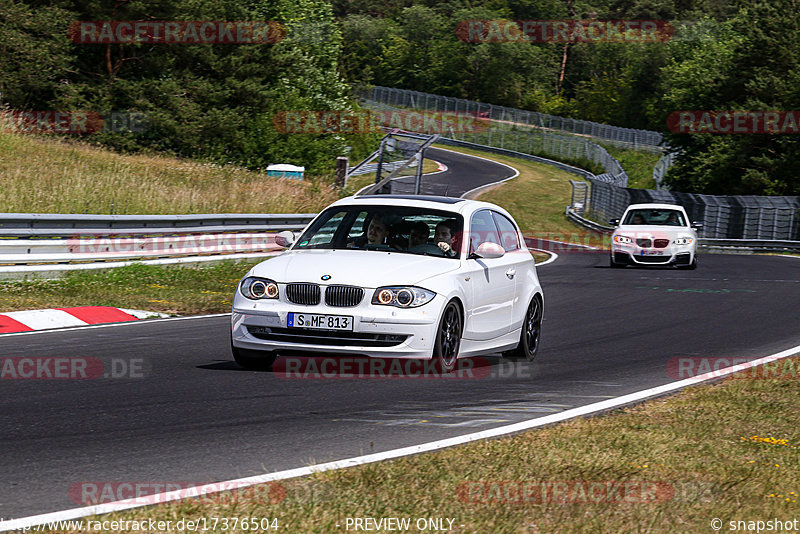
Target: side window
x=482, y=229
x=509, y=237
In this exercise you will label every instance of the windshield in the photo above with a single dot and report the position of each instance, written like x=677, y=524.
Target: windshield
x=385, y=228
x=661, y=217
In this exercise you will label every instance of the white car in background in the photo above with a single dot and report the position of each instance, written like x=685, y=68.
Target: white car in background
x=654, y=234
x=357, y=282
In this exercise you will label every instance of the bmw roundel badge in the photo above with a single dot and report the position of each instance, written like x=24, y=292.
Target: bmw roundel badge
x=326, y=277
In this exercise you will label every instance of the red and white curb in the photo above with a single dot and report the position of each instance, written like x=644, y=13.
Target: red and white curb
x=29, y=320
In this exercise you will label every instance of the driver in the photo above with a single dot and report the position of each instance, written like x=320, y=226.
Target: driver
x=375, y=234
x=443, y=236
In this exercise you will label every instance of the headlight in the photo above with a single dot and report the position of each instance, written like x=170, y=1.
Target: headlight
x=258, y=288
x=684, y=241
x=402, y=296
x=623, y=239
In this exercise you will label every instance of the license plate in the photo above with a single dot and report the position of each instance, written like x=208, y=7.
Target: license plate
x=320, y=322
x=652, y=253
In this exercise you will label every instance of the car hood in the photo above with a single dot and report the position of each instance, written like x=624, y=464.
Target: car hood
x=365, y=268
x=650, y=230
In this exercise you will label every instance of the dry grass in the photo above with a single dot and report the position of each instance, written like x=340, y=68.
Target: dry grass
x=40, y=175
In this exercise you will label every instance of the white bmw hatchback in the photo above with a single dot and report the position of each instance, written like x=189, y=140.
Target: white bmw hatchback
x=654, y=234
x=394, y=277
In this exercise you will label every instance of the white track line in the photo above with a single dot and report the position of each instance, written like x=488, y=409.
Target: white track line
x=590, y=409
x=553, y=256
x=564, y=243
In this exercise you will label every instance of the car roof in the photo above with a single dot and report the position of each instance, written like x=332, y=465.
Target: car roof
x=654, y=206
x=454, y=204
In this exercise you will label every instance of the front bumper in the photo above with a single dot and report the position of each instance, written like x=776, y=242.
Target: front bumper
x=378, y=331
x=632, y=254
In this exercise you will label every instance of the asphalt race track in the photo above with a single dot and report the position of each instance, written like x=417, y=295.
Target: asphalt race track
x=190, y=414
x=463, y=174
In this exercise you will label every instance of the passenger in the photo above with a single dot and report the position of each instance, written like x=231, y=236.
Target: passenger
x=637, y=219
x=418, y=235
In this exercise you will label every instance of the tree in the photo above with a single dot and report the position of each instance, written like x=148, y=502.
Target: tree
x=753, y=63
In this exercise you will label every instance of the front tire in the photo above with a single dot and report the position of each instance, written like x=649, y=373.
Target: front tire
x=615, y=265
x=254, y=360
x=530, y=334
x=448, y=338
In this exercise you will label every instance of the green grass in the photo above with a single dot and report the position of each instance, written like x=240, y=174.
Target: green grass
x=536, y=198
x=637, y=163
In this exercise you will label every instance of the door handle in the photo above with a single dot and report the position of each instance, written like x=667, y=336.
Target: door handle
x=510, y=273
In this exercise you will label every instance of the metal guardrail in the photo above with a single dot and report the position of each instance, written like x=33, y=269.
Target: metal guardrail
x=586, y=223
x=54, y=225
x=47, y=243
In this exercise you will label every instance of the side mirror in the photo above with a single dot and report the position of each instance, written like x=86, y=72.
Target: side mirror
x=285, y=239
x=488, y=251
x=697, y=225
x=614, y=222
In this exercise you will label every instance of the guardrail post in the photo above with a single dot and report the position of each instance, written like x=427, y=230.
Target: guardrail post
x=341, y=171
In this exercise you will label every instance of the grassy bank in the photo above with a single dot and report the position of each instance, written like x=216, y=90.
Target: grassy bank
x=638, y=164
x=41, y=175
